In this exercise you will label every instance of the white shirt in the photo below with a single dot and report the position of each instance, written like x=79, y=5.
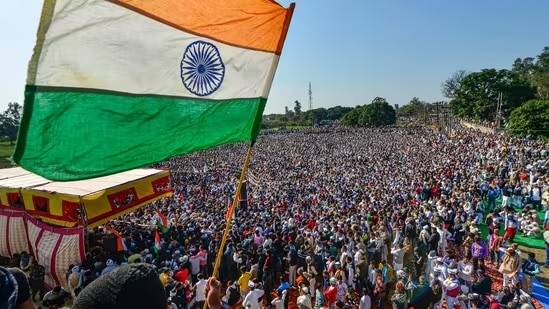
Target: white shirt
x=200, y=291
x=195, y=265
x=465, y=270
x=536, y=194
x=278, y=303
x=365, y=302
x=251, y=299
x=359, y=252
x=305, y=301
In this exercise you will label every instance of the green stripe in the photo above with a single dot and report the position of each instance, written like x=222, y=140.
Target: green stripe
x=71, y=134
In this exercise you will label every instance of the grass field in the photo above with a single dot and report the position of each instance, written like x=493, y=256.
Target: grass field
x=6, y=150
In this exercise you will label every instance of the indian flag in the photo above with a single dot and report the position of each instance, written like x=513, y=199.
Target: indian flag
x=115, y=85
x=162, y=222
x=157, y=241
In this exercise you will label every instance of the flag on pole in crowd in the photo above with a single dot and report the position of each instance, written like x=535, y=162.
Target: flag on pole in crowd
x=120, y=244
x=162, y=222
x=120, y=84
x=157, y=242
x=229, y=209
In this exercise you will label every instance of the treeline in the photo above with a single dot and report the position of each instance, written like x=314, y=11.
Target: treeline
x=379, y=113
x=297, y=118
x=516, y=98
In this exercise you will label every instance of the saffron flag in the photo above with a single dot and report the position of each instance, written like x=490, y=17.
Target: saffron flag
x=119, y=84
x=162, y=222
x=230, y=208
x=120, y=244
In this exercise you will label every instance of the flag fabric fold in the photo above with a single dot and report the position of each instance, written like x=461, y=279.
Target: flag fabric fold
x=229, y=210
x=162, y=222
x=120, y=84
x=120, y=244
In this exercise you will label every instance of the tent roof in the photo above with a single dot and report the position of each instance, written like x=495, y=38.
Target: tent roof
x=12, y=172
x=19, y=178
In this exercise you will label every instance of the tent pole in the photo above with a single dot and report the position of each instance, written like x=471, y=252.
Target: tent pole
x=84, y=217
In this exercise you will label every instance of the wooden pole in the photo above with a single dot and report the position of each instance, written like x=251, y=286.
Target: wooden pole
x=231, y=214
x=230, y=217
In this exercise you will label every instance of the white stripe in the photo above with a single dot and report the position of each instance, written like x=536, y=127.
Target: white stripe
x=101, y=45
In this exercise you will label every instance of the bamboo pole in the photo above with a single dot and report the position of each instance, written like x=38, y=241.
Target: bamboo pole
x=220, y=251
x=233, y=207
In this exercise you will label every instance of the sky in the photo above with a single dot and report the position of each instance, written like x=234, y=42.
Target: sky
x=352, y=50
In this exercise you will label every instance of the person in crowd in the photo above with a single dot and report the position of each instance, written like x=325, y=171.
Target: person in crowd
x=55, y=298
x=252, y=298
x=37, y=274
x=452, y=287
x=510, y=266
x=336, y=202
x=304, y=299
x=482, y=284
x=15, y=292
x=213, y=293
x=365, y=300
x=399, y=299
x=199, y=290
x=530, y=268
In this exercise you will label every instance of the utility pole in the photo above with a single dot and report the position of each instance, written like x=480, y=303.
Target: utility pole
x=446, y=118
x=498, y=110
x=425, y=114
x=437, y=104
x=311, y=105
x=450, y=119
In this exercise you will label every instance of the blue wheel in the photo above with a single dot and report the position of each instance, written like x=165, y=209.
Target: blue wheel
x=202, y=69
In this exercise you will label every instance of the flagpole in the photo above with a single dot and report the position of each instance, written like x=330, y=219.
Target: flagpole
x=231, y=213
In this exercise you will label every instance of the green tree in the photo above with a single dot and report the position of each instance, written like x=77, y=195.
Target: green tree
x=477, y=95
x=524, y=68
x=540, y=75
x=336, y=112
x=531, y=118
x=450, y=86
x=414, y=108
x=297, y=108
x=377, y=114
x=9, y=122
x=351, y=118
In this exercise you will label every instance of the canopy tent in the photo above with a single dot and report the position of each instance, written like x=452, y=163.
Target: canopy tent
x=84, y=203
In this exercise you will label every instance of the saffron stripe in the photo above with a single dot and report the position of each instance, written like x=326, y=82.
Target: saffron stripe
x=251, y=24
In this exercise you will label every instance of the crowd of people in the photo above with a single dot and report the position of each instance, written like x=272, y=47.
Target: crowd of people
x=335, y=218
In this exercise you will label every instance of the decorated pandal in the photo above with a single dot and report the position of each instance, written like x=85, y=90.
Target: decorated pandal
x=50, y=218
